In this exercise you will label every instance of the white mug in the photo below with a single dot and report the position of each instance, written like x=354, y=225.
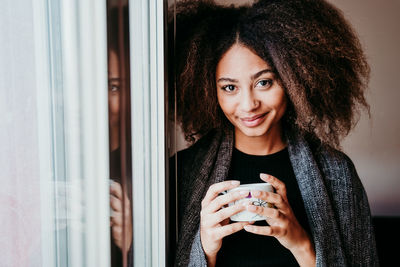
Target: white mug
x=247, y=216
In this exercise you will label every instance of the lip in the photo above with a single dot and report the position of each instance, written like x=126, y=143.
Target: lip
x=254, y=120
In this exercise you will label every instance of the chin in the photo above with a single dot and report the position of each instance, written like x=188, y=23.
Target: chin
x=254, y=132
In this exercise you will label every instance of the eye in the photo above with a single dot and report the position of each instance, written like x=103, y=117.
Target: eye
x=265, y=83
x=114, y=88
x=228, y=88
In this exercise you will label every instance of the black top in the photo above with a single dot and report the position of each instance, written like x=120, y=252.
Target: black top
x=247, y=249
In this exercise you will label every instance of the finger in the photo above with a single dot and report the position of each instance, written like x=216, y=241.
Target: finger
x=279, y=186
x=117, y=219
x=275, y=231
x=230, y=229
x=270, y=198
x=216, y=189
x=116, y=232
x=116, y=189
x=225, y=213
x=266, y=212
x=115, y=203
x=223, y=200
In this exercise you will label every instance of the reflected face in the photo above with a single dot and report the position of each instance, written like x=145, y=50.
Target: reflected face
x=114, y=83
x=248, y=93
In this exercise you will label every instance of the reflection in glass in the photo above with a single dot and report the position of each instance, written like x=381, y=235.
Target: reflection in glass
x=119, y=133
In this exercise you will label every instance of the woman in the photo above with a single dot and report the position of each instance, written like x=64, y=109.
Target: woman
x=270, y=90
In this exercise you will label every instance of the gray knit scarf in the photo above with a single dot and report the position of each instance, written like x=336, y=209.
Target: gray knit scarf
x=334, y=198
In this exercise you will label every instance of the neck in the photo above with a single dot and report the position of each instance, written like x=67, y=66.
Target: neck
x=269, y=143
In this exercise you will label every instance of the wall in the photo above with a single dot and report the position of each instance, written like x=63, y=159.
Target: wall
x=374, y=144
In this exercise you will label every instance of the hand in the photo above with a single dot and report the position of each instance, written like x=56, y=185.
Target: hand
x=283, y=224
x=214, y=219
x=116, y=221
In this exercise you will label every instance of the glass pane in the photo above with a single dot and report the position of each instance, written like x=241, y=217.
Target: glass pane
x=119, y=132
x=54, y=134
x=20, y=199
x=73, y=126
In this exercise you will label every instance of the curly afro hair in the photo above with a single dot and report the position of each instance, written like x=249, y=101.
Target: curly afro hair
x=311, y=47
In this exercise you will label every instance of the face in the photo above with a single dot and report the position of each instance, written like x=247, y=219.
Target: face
x=249, y=94
x=114, y=83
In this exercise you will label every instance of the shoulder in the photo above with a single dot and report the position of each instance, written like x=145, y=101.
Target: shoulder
x=351, y=206
x=339, y=170
x=199, y=148
x=184, y=161
x=329, y=160
x=334, y=160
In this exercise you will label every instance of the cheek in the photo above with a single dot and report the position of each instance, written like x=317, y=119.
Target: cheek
x=281, y=105
x=113, y=102
x=279, y=101
x=221, y=101
x=226, y=105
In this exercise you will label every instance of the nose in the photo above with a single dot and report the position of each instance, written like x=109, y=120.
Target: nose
x=248, y=101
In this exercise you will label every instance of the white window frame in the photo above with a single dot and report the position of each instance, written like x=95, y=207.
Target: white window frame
x=148, y=131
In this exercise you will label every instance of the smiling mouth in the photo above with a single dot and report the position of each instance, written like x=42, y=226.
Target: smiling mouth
x=253, y=121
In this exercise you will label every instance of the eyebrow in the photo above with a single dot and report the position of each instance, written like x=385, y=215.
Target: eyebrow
x=258, y=74
x=227, y=80
x=253, y=77
x=114, y=79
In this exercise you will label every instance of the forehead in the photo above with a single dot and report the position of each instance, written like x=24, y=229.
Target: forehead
x=240, y=61
x=113, y=64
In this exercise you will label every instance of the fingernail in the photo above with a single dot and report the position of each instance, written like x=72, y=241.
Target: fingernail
x=265, y=176
x=245, y=192
x=235, y=183
x=256, y=193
